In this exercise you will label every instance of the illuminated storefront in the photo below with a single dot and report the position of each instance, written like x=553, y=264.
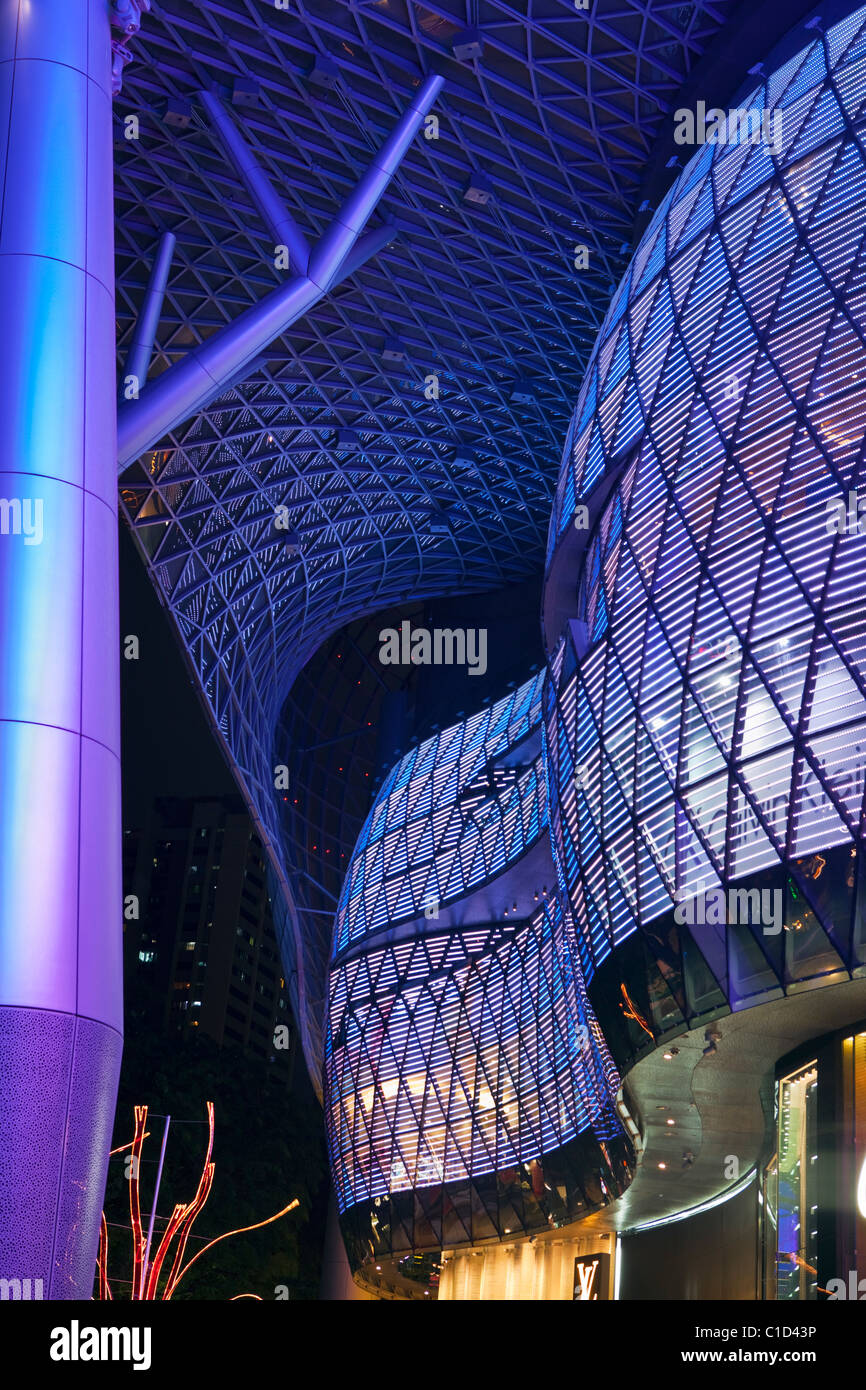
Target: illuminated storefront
x=813, y=1209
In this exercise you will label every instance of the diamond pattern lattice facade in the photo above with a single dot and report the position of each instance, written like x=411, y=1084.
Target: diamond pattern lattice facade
x=469, y=1091
x=704, y=719
x=706, y=716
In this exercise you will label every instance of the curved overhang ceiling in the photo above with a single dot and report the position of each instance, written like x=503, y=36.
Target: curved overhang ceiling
x=411, y=424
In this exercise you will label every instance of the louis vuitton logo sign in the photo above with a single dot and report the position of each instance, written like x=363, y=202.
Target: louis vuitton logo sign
x=591, y=1278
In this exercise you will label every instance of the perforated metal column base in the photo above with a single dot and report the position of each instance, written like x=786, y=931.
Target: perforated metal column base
x=58, y=1082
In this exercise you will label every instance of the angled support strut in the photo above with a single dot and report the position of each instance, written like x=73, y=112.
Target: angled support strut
x=144, y=335
x=274, y=213
x=201, y=377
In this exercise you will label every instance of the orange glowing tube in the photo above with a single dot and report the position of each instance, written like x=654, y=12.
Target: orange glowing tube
x=168, y=1236
x=238, y=1232
x=121, y=1148
x=189, y=1217
x=102, y=1260
x=135, y=1203
x=632, y=1011
x=195, y=1206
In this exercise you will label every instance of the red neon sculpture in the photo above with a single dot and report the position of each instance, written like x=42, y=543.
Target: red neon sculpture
x=146, y=1272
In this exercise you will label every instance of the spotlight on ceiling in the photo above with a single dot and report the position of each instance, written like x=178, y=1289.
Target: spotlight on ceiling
x=523, y=393
x=478, y=189
x=713, y=1037
x=467, y=45
x=393, y=351
x=177, y=113
x=294, y=543
x=324, y=73
x=245, y=92
x=439, y=523
x=465, y=458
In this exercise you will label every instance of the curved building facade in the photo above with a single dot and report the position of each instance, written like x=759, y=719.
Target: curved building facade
x=705, y=716
x=469, y=1093
x=699, y=737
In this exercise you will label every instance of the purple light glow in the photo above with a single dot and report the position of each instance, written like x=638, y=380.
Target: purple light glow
x=60, y=896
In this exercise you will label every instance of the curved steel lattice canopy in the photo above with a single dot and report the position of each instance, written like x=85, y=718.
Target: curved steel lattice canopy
x=411, y=423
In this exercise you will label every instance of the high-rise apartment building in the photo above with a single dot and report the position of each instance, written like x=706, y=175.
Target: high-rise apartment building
x=199, y=938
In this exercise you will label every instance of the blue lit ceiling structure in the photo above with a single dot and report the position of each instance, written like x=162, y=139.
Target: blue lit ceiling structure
x=391, y=496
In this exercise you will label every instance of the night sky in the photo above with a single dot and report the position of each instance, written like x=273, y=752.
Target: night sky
x=168, y=749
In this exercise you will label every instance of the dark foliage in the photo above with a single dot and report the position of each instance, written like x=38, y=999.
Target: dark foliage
x=268, y=1149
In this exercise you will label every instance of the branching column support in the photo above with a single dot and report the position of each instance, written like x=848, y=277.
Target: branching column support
x=202, y=376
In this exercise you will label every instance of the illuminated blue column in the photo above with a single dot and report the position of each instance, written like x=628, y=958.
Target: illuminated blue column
x=60, y=888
